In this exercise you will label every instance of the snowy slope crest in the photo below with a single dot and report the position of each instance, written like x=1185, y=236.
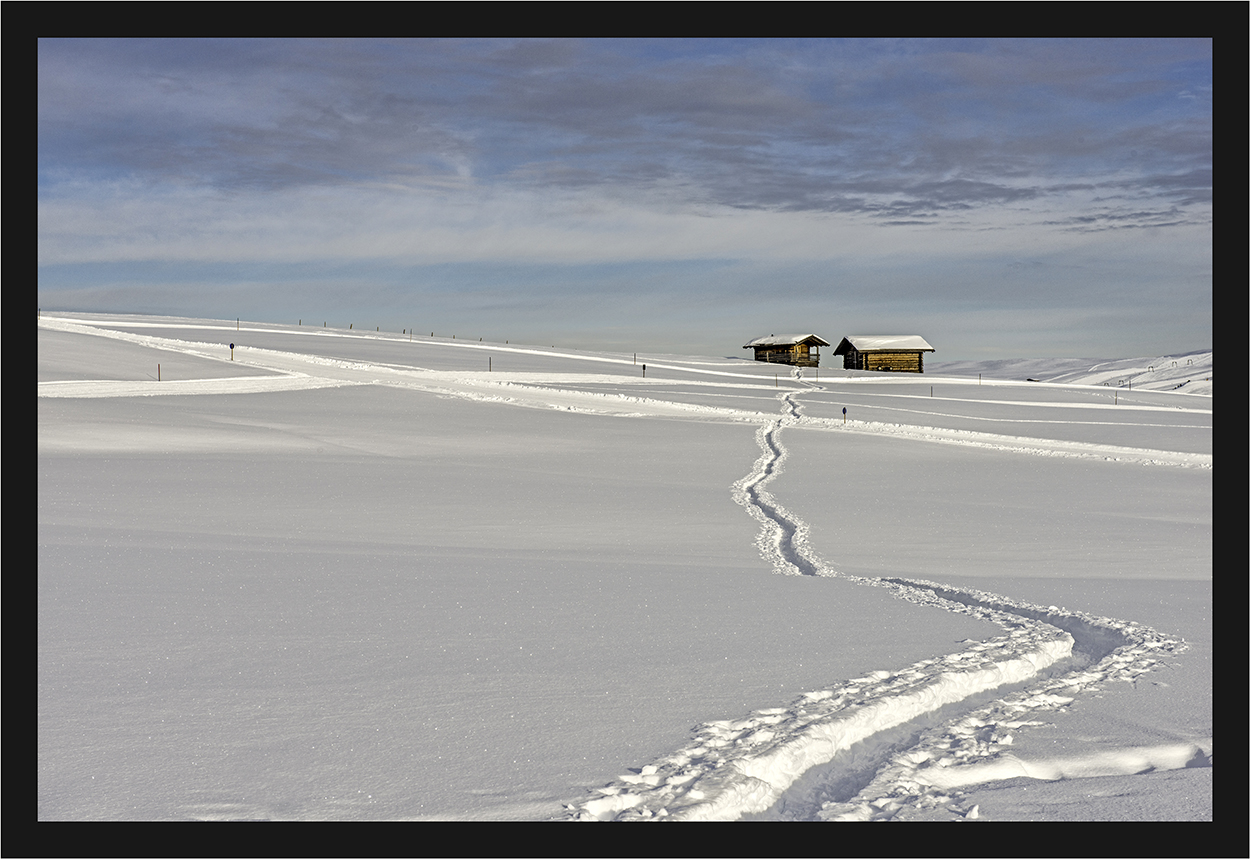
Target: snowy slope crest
x=1188, y=372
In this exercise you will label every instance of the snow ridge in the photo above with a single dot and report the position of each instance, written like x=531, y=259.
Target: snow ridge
x=99, y=388
x=746, y=766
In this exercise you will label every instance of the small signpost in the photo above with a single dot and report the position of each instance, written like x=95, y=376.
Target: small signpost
x=231, y=351
x=844, y=416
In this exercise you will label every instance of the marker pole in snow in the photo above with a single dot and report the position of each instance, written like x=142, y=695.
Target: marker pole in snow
x=644, y=371
x=231, y=351
x=158, y=372
x=844, y=416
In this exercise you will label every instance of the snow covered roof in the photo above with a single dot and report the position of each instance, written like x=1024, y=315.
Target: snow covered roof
x=786, y=340
x=883, y=343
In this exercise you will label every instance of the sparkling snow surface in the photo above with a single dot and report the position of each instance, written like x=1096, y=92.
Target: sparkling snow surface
x=350, y=575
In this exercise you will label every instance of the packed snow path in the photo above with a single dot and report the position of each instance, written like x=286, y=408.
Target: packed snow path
x=290, y=370
x=735, y=768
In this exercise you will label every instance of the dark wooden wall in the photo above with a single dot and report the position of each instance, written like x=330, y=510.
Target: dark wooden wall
x=897, y=362
x=799, y=355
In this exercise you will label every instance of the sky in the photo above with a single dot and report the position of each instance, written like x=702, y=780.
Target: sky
x=1018, y=198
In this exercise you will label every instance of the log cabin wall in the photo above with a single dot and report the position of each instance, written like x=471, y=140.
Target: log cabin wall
x=898, y=362
x=799, y=355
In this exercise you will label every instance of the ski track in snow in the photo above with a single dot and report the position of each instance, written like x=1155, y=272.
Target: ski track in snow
x=746, y=766
x=926, y=730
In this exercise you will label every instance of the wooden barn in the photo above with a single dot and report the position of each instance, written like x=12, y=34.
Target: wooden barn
x=902, y=353
x=802, y=350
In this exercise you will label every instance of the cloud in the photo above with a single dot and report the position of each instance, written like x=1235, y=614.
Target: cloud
x=751, y=129
x=771, y=159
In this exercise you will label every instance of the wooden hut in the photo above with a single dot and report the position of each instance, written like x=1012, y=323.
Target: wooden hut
x=903, y=353
x=802, y=350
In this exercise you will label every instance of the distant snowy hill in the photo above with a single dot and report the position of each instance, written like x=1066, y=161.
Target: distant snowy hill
x=1188, y=373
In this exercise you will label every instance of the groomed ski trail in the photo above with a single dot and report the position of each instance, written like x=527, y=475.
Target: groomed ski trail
x=734, y=768
x=298, y=371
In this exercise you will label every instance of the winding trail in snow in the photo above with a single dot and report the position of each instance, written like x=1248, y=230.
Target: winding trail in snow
x=926, y=730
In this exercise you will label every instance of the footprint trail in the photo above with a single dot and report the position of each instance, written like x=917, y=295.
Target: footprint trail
x=924, y=730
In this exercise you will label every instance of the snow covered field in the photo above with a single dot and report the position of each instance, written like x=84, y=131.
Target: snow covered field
x=354, y=575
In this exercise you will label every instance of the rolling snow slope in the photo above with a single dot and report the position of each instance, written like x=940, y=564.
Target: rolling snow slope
x=1189, y=372
x=349, y=575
